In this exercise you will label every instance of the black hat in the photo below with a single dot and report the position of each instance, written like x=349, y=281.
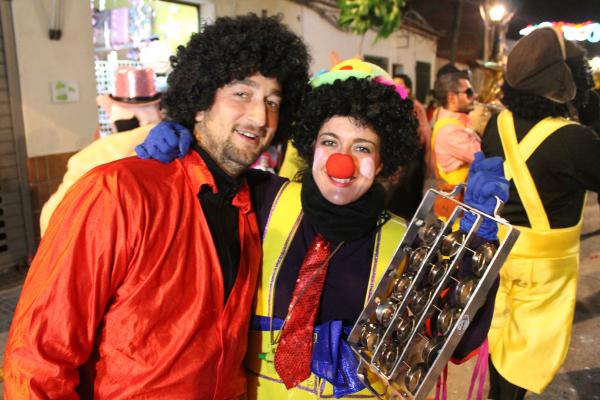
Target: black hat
x=537, y=65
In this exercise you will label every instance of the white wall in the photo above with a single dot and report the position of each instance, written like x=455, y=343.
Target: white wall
x=403, y=47
x=291, y=12
x=55, y=128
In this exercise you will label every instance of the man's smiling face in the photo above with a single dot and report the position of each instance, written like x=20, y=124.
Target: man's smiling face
x=241, y=122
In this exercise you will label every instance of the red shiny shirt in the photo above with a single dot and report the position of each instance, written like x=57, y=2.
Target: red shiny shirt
x=124, y=298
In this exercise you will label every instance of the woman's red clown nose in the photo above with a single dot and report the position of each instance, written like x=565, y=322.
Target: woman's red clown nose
x=340, y=166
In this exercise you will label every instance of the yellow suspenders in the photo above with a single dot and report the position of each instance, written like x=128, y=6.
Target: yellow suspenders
x=534, y=308
x=515, y=167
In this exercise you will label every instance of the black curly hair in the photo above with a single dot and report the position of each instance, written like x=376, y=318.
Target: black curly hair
x=369, y=103
x=233, y=49
x=533, y=107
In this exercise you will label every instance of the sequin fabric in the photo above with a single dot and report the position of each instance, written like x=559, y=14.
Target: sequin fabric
x=293, y=355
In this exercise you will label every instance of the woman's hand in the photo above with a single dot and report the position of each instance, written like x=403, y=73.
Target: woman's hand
x=485, y=183
x=165, y=142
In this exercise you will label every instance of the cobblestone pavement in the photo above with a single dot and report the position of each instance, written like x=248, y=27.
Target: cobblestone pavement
x=8, y=302
x=578, y=379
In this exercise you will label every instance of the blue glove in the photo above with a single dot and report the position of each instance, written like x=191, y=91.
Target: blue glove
x=165, y=142
x=485, y=182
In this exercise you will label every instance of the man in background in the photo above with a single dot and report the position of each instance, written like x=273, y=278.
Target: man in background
x=454, y=143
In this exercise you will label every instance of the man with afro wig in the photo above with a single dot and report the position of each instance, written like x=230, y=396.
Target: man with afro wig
x=143, y=284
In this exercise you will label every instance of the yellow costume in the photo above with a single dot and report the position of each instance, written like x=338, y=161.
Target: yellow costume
x=292, y=163
x=535, y=304
x=101, y=151
x=286, y=215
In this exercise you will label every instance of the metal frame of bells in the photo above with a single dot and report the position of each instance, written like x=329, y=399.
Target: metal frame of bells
x=389, y=338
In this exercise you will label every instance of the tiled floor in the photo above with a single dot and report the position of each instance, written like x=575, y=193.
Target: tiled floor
x=8, y=302
x=11, y=279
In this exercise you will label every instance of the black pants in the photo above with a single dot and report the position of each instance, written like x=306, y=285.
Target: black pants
x=501, y=389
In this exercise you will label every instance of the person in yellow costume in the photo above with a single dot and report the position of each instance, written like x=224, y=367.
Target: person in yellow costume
x=550, y=161
x=354, y=128
x=133, y=109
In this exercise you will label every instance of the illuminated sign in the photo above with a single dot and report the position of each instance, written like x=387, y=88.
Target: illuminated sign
x=588, y=30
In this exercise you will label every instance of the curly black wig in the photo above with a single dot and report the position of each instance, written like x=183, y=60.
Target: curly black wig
x=533, y=107
x=233, y=49
x=371, y=104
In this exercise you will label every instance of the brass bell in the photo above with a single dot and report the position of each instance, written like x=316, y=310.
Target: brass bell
x=369, y=336
x=385, y=311
x=401, y=285
x=404, y=329
x=482, y=258
x=416, y=257
x=463, y=291
x=419, y=301
x=445, y=320
x=431, y=350
x=451, y=243
x=429, y=232
x=436, y=273
x=413, y=377
x=389, y=355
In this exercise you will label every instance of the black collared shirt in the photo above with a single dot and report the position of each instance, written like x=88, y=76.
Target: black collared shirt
x=222, y=218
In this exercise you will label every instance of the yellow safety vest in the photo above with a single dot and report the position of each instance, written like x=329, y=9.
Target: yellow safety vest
x=459, y=175
x=286, y=215
x=534, y=309
x=292, y=162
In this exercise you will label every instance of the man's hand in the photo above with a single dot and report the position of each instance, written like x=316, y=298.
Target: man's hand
x=485, y=183
x=165, y=142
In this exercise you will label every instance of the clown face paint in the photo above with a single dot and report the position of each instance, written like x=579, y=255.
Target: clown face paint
x=344, y=135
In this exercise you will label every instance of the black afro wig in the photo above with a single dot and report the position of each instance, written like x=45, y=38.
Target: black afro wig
x=233, y=49
x=369, y=103
x=533, y=107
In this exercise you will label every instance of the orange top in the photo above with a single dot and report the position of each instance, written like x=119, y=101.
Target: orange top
x=455, y=144
x=125, y=295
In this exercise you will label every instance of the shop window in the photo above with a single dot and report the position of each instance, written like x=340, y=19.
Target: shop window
x=383, y=62
x=141, y=33
x=397, y=69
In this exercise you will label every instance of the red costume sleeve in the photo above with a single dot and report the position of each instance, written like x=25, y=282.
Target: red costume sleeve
x=77, y=268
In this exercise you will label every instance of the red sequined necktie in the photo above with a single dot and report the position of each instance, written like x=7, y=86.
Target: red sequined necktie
x=293, y=354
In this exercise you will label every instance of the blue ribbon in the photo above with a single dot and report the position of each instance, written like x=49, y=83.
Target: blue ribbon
x=333, y=360
x=332, y=357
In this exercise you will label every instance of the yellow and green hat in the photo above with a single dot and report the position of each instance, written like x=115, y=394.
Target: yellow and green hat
x=352, y=68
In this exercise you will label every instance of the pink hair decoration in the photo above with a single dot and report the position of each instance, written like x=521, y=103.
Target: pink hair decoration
x=401, y=90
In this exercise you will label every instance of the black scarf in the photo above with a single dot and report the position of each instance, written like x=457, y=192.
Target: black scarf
x=341, y=223
x=222, y=218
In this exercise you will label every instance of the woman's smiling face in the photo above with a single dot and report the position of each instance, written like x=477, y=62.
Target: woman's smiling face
x=344, y=135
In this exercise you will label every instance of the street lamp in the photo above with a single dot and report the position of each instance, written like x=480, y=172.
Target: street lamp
x=495, y=15
x=497, y=12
